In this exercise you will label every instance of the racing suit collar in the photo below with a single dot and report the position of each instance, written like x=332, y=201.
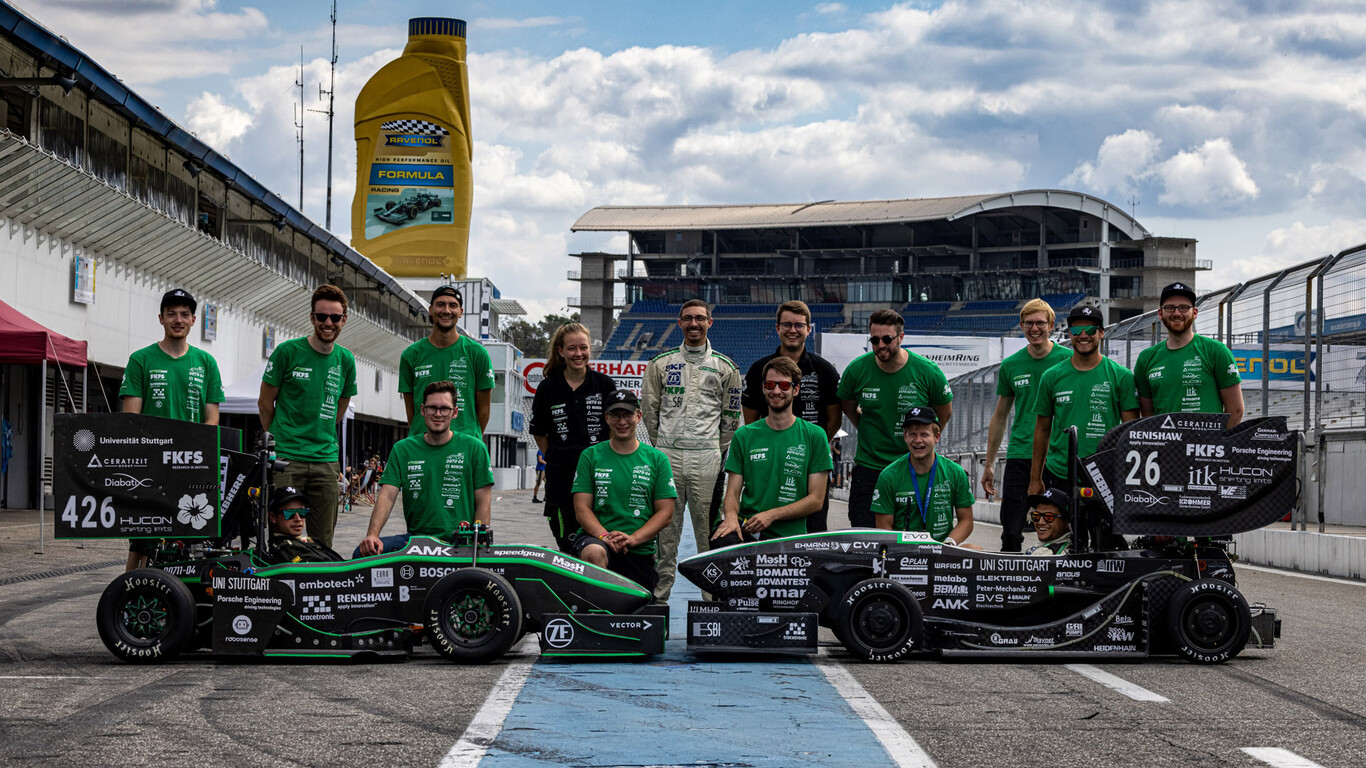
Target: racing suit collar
x=696, y=354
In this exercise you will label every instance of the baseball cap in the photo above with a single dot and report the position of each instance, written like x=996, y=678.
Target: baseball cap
x=920, y=414
x=447, y=290
x=1054, y=496
x=178, y=297
x=285, y=495
x=622, y=399
x=1177, y=289
x=1085, y=313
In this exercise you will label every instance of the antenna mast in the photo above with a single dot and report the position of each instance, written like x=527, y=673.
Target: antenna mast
x=299, y=126
x=330, y=92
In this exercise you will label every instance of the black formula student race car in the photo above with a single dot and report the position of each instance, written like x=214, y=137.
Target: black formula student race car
x=210, y=586
x=1181, y=484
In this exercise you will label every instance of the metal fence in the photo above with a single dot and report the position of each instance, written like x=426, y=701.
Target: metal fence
x=1299, y=339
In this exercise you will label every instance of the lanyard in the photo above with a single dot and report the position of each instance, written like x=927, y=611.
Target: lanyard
x=923, y=507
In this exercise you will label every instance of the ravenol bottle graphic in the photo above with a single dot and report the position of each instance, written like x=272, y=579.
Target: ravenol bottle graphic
x=414, y=188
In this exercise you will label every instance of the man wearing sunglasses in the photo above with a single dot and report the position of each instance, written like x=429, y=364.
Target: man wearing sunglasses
x=777, y=468
x=818, y=400
x=307, y=386
x=288, y=544
x=1016, y=383
x=1187, y=373
x=1090, y=392
x=1050, y=523
x=923, y=491
x=875, y=392
x=448, y=355
x=444, y=477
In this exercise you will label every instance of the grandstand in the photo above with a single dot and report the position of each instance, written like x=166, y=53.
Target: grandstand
x=960, y=266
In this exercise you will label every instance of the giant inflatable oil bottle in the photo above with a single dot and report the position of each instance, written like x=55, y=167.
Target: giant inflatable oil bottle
x=411, y=213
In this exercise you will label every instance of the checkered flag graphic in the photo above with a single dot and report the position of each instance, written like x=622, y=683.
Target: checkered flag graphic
x=414, y=126
x=315, y=604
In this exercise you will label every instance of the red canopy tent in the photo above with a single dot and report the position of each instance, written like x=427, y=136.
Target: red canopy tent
x=26, y=342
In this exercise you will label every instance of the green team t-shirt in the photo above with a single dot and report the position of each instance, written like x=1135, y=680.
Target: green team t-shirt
x=311, y=386
x=625, y=488
x=775, y=466
x=1019, y=378
x=438, y=482
x=173, y=387
x=465, y=363
x=885, y=398
x=1092, y=401
x=1186, y=380
x=894, y=493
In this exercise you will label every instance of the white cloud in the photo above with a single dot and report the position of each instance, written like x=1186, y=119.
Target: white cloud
x=826, y=9
x=528, y=23
x=1207, y=174
x=216, y=122
x=1122, y=160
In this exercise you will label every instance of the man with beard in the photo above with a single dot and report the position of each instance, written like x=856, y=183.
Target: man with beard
x=691, y=399
x=777, y=468
x=173, y=380
x=923, y=491
x=448, y=355
x=305, y=391
x=875, y=392
x=1016, y=382
x=1089, y=391
x=817, y=401
x=1187, y=373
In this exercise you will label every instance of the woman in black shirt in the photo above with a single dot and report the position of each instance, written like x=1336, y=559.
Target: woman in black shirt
x=566, y=417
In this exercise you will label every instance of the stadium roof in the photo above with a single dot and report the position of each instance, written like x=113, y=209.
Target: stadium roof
x=830, y=213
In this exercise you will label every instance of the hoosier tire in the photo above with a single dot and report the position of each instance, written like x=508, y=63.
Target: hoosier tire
x=472, y=616
x=1208, y=621
x=146, y=616
x=879, y=620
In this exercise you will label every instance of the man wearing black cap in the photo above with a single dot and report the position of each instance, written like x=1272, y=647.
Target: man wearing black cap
x=1050, y=523
x=171, y=379
x=623, y=496
x=1089, y=391
x=1187, y=373
x=448, y=355
x=924, y=491
x=288, y=544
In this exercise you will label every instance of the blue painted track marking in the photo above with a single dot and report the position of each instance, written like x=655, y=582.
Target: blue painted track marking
x=674, y=710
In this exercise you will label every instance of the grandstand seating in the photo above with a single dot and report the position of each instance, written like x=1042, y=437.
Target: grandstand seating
x=1061, y=302
x=990, y=306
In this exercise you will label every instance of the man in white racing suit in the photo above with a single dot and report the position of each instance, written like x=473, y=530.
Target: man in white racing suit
x=691, y=400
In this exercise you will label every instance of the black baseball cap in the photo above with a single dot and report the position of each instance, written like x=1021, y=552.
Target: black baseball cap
x=920, y=414
x=1177, y=289
x=285, y=495
x=178, y=297
x=447, y=290
x=622, y=398
x=1085, y=313
x=1054, y=496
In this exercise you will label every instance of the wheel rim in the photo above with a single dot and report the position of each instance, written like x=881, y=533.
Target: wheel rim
x=145, y=617
x=471, y=616
x=1208, y=623
x=880, y=623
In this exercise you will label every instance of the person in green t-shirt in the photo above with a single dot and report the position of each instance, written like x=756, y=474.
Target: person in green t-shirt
x=623, y=496
x=1016, y=382
x=923, y=491
x=171, y=379
x=1187, y=373
x=777, y=467
x=305, y=390
x=1090, y=392
x=443, y=475
x=446, y=354
x=875, y=391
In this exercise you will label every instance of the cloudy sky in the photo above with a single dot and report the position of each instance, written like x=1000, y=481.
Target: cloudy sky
x=1241, y=123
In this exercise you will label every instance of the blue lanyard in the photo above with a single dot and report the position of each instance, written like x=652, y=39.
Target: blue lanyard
x=923, y=507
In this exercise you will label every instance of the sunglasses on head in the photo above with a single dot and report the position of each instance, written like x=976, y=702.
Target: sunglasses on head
x=876, y=340
x=323, y=317
x=1089, y=330
x=1047, y=517
x=780, y=385
x=288, y=513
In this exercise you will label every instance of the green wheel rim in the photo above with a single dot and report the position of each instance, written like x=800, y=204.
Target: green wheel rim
x=146, y=616
x=471, y=616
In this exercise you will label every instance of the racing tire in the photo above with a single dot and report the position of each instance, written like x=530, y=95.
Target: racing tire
x=879, y=620
x=1208, y=621
x=472, y=616
x=146, y=616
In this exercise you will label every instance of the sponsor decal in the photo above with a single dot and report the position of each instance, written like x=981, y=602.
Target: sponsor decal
x=1204, y=451
x=1233, y=491
x=913, y=579
x=706, y=628
x=951, y=589
x=763, y=559
x=998, y=639
x=406, y=572
x=332, y=584
x=951, y=604
x=1120, y=635
x=182, y=458
x=1193, y=502
x=1146, y=498
x=751, y=603
x=382, y=577
x=780, y=593
x=1073, y=629
x=558, y=633
x=241, y=624
x=430, y=550
x=1080, y=564
x=1110, y=566
x=801, y=562
x=914, y=563
x=741, y=566
x=712, y=573
x=1123, y=620
x=568, y=565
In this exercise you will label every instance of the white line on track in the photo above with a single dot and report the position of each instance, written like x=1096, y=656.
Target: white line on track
x=1297, y=574
x=1281, y=758
x=1113, y=682
x=474, y=743
x=48, y=677
x=900, y=745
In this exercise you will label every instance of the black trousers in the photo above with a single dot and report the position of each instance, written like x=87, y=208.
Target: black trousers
x=559, y=507
x=861, y=487
x=1014, y=506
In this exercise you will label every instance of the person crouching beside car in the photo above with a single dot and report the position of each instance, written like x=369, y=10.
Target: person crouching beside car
x=288, y=544
x=1049, y=516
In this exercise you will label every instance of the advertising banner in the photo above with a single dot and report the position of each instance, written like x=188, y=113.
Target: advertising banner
x=627, y=374
x=955, y=355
